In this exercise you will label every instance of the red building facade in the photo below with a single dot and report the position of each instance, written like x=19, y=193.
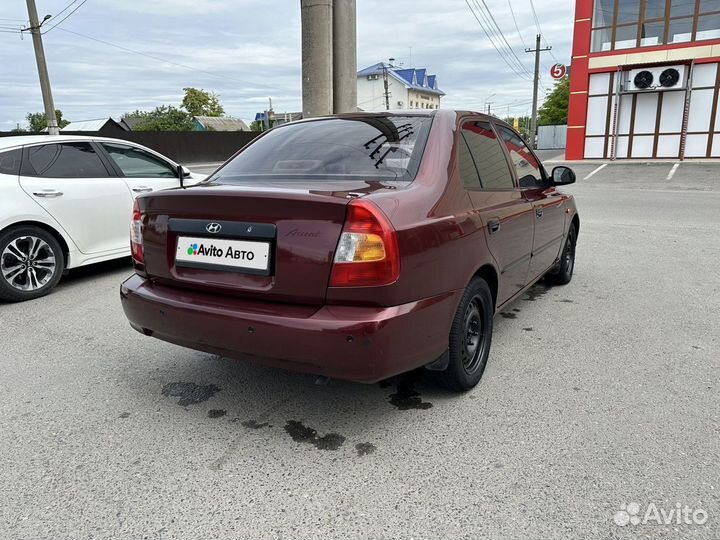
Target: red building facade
x=645, y=80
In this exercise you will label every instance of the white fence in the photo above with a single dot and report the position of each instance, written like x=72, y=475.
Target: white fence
x=551, y=137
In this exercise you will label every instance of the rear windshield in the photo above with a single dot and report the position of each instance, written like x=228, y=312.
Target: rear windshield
x=368, y=148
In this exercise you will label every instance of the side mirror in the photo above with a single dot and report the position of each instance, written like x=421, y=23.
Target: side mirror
x=182, y=172
x=562, y=176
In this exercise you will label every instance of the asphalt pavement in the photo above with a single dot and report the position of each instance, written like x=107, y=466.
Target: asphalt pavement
x=598, y=405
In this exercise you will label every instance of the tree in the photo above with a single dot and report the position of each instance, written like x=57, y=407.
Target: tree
x=259, y=125
x=523, y=124
x=38, y=121
x=163, y=118
x=201, y=103
x=554, y=110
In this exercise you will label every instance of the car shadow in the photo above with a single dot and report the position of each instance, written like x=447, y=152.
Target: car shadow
x=252, y=404
x=77, y=277
x=96, y=270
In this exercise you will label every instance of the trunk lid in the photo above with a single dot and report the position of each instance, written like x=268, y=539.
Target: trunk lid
x=296, y=225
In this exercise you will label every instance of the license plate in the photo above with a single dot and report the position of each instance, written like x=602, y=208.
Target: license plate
x=219, y=252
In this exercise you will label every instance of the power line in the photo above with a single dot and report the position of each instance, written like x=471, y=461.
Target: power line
x=537, y=24
x=514, y=103
x=497, y=26
x=109, y=44
x=492, y=36
x=63, y=10
x=516, y=24
x=500, y=37
x=81, y=4
x=488, y=34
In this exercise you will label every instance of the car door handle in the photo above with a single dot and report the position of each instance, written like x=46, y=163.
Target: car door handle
x=539, y=212
x=493, y=225
x=142, y=189
x=48, y=193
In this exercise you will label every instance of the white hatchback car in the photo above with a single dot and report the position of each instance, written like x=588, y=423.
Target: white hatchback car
x=66, y=201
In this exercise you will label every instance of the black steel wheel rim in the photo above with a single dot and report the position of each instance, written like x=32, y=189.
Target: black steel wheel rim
x=473, y=336
x=570, y=254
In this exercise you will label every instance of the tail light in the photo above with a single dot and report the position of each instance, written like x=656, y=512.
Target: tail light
x=367, y=252
x=136, y=235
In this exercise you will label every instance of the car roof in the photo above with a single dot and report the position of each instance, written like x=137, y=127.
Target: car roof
x=24, y=140
x=17, y=141
x=409, y=112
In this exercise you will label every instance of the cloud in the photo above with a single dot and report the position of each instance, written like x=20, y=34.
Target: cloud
x=249, y=50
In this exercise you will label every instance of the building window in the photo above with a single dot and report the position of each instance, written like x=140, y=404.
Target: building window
x=708, y=26
x=626, y=24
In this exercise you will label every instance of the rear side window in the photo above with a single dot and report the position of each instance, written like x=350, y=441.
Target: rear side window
x=10, y=162
x=528, y=168
x=136, y=163
x=488, y=155
x=466, y=166
x=64, y=160
x=361, y=147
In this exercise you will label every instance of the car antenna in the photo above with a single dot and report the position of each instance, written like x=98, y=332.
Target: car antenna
x=181, y=175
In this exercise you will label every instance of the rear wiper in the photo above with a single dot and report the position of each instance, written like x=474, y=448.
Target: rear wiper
x=391, y=149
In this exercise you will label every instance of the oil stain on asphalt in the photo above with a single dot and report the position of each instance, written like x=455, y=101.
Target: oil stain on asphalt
x=508, y=315
x=216, y=413
x=253, y=424
x=407, y=398
x=365, y=448
x=535, y=292
x=303, y=434
x=189, y=393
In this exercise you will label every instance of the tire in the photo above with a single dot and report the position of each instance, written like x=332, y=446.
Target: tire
x=564, y=272
x=473, y=316
x=31, y=263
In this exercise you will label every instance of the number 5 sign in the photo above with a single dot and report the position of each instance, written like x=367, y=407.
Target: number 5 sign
x=558, y=71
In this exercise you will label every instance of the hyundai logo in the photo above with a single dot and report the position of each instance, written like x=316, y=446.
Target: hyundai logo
x=213, y=228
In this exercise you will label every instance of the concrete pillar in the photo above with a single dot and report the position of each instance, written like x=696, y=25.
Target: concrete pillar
x=344, y=56
x=317, y=64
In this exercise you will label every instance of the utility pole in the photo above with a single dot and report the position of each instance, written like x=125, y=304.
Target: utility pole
x=317, y=57
x=488, y=107
x=536, y=82
x=267, y=121
x=344, y=56
x=42, y=67
x=385, y=84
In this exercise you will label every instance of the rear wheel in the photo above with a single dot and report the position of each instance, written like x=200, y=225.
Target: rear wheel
x=564, y=272
x=31, y=263
x=470, y=337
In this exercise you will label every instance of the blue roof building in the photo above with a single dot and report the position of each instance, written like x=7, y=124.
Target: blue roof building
x=408, y=88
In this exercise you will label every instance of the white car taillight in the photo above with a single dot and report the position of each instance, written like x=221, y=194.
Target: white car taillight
x=136, y=235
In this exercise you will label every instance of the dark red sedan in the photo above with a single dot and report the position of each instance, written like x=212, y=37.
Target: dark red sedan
x=357, y=246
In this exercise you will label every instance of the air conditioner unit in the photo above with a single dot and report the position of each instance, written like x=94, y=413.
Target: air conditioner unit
x=653, y=79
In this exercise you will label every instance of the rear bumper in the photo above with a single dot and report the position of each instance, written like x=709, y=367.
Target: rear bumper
x=347, y=342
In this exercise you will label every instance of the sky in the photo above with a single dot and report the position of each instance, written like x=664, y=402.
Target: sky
x=247, y=51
